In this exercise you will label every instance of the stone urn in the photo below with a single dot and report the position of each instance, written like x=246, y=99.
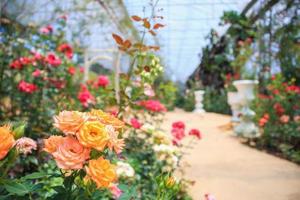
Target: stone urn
x=199, y=94
x=246, y=128
x=234, y=102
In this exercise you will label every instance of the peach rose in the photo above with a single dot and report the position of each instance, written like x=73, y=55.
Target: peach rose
x=7, y=140
x=114, y=143
x=284, y=119
x=106, y=118
x=102, y=172
x=69, y=122
x=51, y=144
x=94, y=135
x=70, y=154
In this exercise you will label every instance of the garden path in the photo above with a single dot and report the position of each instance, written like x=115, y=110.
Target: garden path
x=229, y=170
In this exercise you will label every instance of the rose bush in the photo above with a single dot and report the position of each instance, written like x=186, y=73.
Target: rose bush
x=278, y=114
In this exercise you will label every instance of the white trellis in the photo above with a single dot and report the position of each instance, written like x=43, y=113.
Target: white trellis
x=104, y=54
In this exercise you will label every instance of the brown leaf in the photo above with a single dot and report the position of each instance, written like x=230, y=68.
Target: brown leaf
x=146, y=24
x=152, y=32
x=127, y=44
x=155, y=48
x=118, y=39
x=136, y=18
x=158, y=25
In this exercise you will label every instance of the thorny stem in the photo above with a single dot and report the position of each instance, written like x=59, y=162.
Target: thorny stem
x=131, y=68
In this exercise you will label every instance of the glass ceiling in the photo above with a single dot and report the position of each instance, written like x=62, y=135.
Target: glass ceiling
x=188, y=22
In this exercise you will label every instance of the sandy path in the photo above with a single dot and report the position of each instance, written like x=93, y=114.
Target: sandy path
x=229, y=170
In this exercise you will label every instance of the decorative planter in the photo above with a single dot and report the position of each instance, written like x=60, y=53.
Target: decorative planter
x=199, y=98
x=246, y=94
x=234, y=101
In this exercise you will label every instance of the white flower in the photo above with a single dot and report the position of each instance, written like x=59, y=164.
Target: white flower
x=124, y=169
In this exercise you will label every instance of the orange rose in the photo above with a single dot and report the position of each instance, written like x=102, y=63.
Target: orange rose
x=51, y=144
x=102, y=172
x=94, y=135
x=69, y=122
x=106, y=118
x=7, y=140
x=70, y=154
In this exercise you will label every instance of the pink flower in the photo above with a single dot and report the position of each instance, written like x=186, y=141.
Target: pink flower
x=66, y=49
x=37, y=56
x=103, y=81
x=53, y=60
x=152, y=105
x=195, y=132
x=297, y=118
x=81, y=69
x=284, y=119
x=148, y=91
x=27, y=87
x=25, y=145
x=178, y=124
x=47, y=29
x=135, y=123
x=36, y=73
x=209, y=197
x=115, y=191
x=178, y=133
x=72, y=70
x=85, y=97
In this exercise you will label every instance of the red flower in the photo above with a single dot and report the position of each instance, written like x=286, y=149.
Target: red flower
x=27, y=87
x=135, y=123
x=47, y=29
x=195, y=132
x=36, y=73
x=66, y=49
x=179, y=125
x=175, y=142
x=278, y=108
x=264, y=120
x=16, y=64
x=152, y=105
x=53, y=60
x=72, y=70
x=64, y=17
x=103, y=81
x=85, y=97
x=21, y=62
x=293, y=89
x=275, y=91
x=178, y=133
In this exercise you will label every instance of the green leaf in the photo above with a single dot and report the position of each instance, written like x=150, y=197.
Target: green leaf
x=16, y=188
x=35, y=175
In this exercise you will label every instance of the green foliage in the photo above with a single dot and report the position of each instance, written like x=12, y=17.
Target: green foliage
x=216, y=101
x=166, y=93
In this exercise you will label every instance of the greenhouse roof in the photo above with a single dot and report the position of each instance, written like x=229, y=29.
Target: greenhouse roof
x=187, y=23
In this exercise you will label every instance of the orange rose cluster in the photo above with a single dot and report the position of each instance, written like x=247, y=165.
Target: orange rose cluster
x=6, y=139
x=83, y=132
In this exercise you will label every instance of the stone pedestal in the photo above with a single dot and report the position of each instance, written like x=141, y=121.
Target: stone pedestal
x=234, y=102
x=246, y=128
x=199, y=99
